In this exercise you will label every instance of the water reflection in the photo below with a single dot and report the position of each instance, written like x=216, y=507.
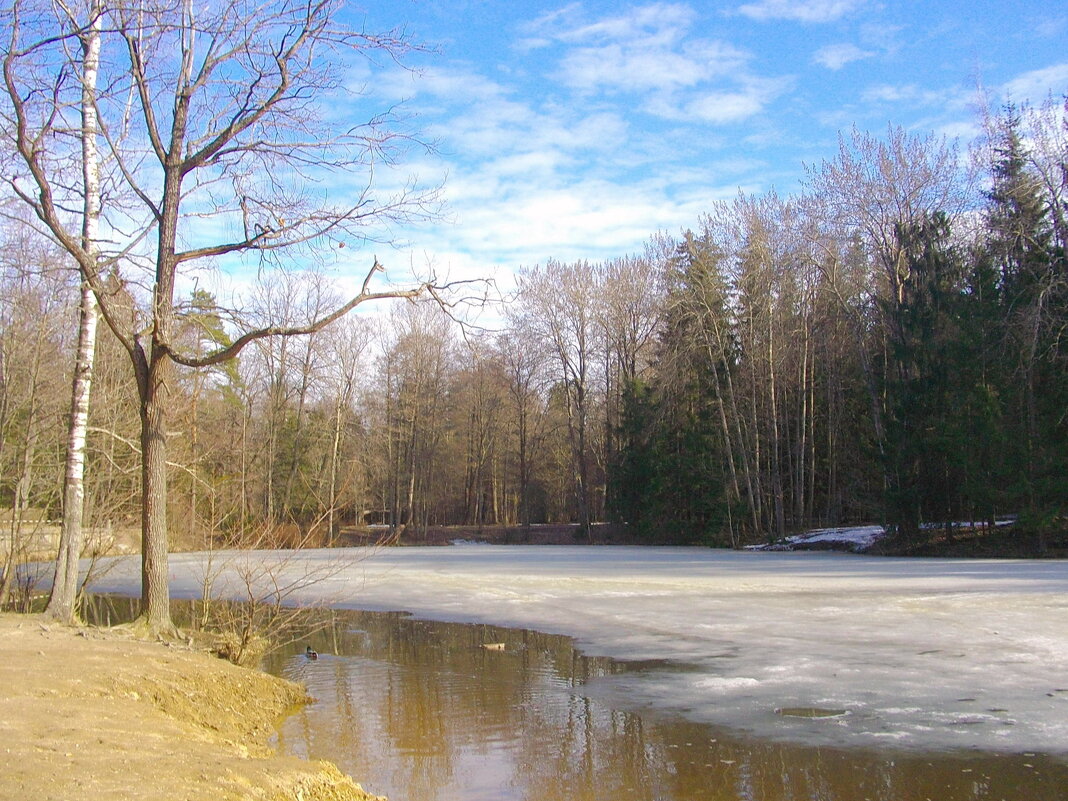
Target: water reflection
x=422, y=711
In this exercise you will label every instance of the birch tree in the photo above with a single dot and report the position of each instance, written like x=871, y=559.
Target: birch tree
x=61, y=602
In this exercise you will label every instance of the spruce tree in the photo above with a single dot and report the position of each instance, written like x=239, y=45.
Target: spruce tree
x=1031, y=271
x=925, y=430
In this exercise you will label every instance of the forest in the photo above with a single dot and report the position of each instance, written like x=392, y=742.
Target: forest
x=885, y=345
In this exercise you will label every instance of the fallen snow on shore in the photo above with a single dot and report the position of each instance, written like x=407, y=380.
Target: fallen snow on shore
x=852, y=538
x=919, y=653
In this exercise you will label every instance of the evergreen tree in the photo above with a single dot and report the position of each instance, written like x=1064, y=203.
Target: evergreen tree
x=985, y=477
x=675, y=479
x=925, y=444
x=1017, y=219
x=1032, y=275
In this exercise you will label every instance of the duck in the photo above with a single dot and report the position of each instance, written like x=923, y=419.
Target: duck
x=310, y=653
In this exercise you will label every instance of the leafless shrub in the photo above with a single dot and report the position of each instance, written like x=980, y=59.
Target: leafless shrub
x=254, y=601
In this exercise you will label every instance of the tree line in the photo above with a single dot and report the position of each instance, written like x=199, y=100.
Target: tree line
x=887, y=344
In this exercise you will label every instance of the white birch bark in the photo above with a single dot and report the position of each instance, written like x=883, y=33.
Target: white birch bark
x=61, y=604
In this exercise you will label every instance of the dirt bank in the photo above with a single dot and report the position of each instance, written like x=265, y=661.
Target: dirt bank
x=95, y=714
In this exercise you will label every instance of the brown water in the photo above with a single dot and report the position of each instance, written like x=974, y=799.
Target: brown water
x=423, y=711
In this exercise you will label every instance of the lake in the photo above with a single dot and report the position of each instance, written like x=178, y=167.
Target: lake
x=673, y=673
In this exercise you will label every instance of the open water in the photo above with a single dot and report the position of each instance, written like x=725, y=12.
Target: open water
x=424, y=711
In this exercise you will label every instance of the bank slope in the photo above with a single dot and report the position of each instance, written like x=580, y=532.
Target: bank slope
x=92, y=714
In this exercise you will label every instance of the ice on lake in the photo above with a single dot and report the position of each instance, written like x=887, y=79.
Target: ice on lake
x=917, y=653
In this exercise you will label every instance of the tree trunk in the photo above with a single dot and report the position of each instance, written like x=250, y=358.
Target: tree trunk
x=524, y=469
x=155, y=590
x=335, y=451
x=779, y=520
x=297, y=446
x=154, y=372
x=65, y=584
x=61, y=604
x=752, y=485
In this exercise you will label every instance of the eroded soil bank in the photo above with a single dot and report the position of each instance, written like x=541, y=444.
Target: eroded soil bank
x=95, y=714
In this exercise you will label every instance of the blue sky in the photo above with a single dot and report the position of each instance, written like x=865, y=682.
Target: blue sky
x=577, y=130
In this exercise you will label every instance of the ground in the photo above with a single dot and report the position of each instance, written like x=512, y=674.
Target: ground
x=89, y=713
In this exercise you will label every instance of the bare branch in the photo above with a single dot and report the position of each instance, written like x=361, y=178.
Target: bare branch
x=229, y=352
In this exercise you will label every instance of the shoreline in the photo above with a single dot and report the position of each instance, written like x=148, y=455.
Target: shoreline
x=90, y=713
x=1006, y=540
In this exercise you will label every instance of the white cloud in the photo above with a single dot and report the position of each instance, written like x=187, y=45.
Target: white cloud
x=961, y=130
x=553, y=173
x=650, y=51
x=441, y=83
x=909, y=93
x=726, y=106
x=799, y=10
x=499, y=221
x=1051, y=26
x=658, y=23
x=645, y=49
x=1036, y=85
x=836, y=56
x=580, y=219
x=950, y=110
x=614, y=66
x=635, y=67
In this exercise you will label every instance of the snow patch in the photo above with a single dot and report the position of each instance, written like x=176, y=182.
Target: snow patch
x=852, y=538
x=720, y=684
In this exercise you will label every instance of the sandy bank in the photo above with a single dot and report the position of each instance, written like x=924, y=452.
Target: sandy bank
x=93, y=714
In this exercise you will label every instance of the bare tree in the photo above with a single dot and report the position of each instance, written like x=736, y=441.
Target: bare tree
x=479, y=394
x=875, y=185
x=628, y=298
x=348, y=348
x=226, y=97
x=413, y=369
x=560, y=299
x=524, y=361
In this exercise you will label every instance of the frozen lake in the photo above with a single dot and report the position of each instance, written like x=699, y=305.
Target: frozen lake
x=914, y=654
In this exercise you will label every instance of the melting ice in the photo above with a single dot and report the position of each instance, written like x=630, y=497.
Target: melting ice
x=918, y=653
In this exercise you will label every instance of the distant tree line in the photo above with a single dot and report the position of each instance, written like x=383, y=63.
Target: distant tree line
x=888, y=345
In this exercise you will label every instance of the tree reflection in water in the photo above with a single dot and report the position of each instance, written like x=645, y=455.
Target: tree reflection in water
x=421, y=711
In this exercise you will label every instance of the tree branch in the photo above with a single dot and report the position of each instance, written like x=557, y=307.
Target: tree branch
x=232, y=350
